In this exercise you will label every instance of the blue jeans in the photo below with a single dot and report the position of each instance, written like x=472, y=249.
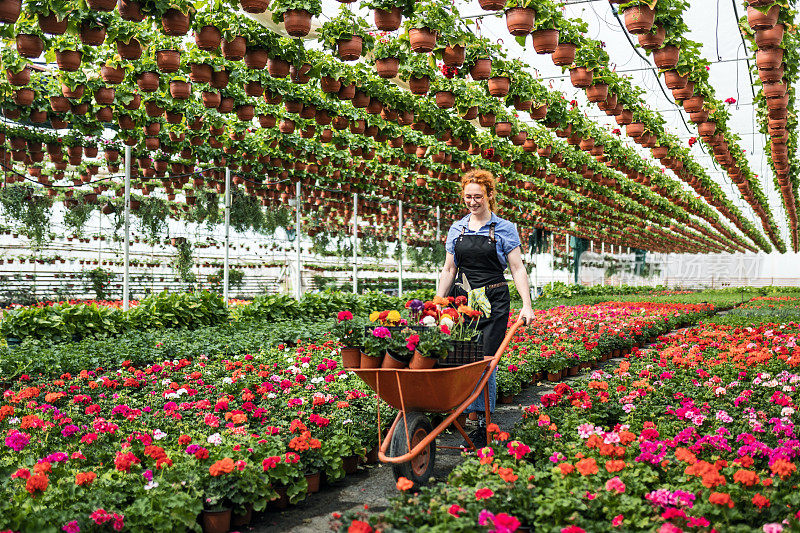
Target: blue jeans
x=478, y=405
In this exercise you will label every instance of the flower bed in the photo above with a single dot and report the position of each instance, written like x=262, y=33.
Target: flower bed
x=571, y=337
x=697, y=434
x=149, y=447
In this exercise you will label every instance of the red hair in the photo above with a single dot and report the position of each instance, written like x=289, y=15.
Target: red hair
x=486, y=180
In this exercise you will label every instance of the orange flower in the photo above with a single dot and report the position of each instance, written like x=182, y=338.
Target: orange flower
x=721, y=498
x=615, y=465
x=748, y=478
x=566, y=468
x=36, y=482
x=223, y=466
x=783, y=468
x=683, y=454
x=404, y=484
x=84, y=478
x=626, y=437
x=507, y=475
x=587, y=467
x=760, y=501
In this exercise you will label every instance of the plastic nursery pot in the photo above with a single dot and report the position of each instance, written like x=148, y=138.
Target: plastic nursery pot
x=653, y=40
x=545, y=41
x=422, y=40
x=388, y=20
x=763, y=21
x=581, y=77
x=387, y=67
x=350, y=49
x=217, y=521
x=564, y=54
x=666, y=57
x=519, y=20
x=770, y=38
x=390, y=361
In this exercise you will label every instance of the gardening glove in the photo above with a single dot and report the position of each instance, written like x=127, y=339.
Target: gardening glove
x=476, y=299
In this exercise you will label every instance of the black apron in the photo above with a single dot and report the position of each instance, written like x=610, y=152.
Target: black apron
x=476, y=257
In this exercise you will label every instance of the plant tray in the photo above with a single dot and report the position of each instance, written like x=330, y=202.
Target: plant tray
x=464, y=352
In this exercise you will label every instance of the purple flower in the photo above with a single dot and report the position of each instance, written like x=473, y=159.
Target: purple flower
x=148, y=475
x=17, y=440
x=485, y=517
x=72, y=527
x=192, y=448
x=56, y=457
x=69, y=430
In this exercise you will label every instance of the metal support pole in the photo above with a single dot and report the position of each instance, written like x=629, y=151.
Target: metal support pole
x=400, y=247
x=355, y=243
x=438, y=238
x=298, y=290
x=126, y=276
x=226, y=262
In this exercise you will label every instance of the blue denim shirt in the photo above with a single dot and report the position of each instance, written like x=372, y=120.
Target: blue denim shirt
x=505, y=234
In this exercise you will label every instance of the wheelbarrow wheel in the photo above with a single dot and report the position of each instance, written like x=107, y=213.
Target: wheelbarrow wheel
x=420, y=468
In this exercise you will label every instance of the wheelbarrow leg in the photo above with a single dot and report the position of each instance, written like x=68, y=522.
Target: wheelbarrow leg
x=488, y=413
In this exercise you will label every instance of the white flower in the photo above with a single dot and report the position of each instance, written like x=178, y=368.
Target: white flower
x=227, y=381
x=151, y=485
x=181, y=391
x=305, y=365
x=787, y=411
x=271, y=395
x=165, y=382
x=14, y=420
x=170, y=396
x=429, y=321
x=215, y=439
x=446, y=321
x=158, y=434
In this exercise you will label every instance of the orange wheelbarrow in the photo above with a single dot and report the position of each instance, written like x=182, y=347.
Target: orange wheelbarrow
x=410, y=446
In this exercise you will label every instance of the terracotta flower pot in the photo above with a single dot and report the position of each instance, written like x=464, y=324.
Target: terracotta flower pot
x=314, y=480
x=674, y=80
x=351, y=357
x=597, y=92
x=175, y=23
x=29, y=45
x=581, y=77
x=91, y=34
x=545, y=41
x=234, y=49
x=370, y=362
x=51, y=25
x=707, y=128
x=499, y=86
x=492, y=5
x=666, y=57
x=686, y=92
x=391, y=361
x=453, y=56
x=69, y=60
x=553, y=376
x=387, y=67
x=699, y=117
x=112, y=75
x=693, y=104
x=208, y=38
x=564, y=54
x=130, y=10
x=653, y=39
x=242, y=519
x=19, y=79
x=771, y=75
x=471, y=113
x=422, y=40
x=519, y=20
x=481, y=69
x=635, y=129
x=215, y=521
x=256, y=58
x=639, y=19
x=131, y=50
x=277, y=68
x=388, y=20
x=419, y=362
x=350, y=464
x=502, y=129
x=774, y=90
x=211, y=99
x=168, y=60
x=778, y=103
x=148, y=82
x=769, y=58
x=763, y=21
x=10, y=11
x=297, y=22
x=200, y=73
x=770, y=38
x=445, y=99
x=539, y=113
x=254, y=6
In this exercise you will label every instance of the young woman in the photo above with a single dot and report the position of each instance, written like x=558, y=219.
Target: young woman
x=479, y=248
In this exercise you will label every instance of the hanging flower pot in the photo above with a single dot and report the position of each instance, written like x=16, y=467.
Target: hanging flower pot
x=707, y=129
x=674, y=80
x=759, y=20
x=219, y=78
x=234, y=49
x=693, y=104
x=770, y=58
x=180, y=90
x=73, y=92
x=539, y=112
x=350, y=49
x=487, y=120
x=19, y=79
x=502, y=129
x=581, y=77
x=778, y=103
x=471, y=113
x=225, y=104
x=770, y=38
x=148, y=81
x=297, y=22
x=388, y=20
x=770, y=76
x=422, y=40
x=92, y=34
x=684, y=93
x=131, y=50
x=135, y=102
x=445, y=99
x=29, y=45
x=256, y=58
x=347, y=92
x=211, y=99
x=667, y=56
x=69, y=60
x=104, y=95
x=200, y=73
x=564, y=54
x=387, y=67
x=208, y=38
x=10, y=11
x=519, y=20
x=51, y=25
x=112, y=75
x=130, y=10
x=453, y=56
x=635, y=129
x=699, y=117
x=499, y=86
x=254, y=6
x=492, y=5
x=24, y=97
x=175, y=23
x=545, y=41
x=245, y=112
x=597, y=92
x=639, y=19
x=774, y=90
x=168, y=60
x=277, y=68
x=653, y=39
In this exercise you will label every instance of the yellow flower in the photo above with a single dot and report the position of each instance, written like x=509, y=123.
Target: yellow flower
x=373, y=316
x=393, y=317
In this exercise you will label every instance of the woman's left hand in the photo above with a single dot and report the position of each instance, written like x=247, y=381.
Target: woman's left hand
x=526, y=315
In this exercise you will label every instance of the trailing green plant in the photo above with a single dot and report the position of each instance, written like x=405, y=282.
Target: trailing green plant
x=99, y=281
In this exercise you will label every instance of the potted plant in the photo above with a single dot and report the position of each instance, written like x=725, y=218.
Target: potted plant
x=388, y=54
x=639, y=15
x=389, y=14
x=347, y=34
x=418, y=70
x=546, y=28
x=433, y=344
x=400, y=349
x=429, y=20
x=376, y=344
x=520, y=16
x=295, y=15
x=503, y=71
x=587, y=59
